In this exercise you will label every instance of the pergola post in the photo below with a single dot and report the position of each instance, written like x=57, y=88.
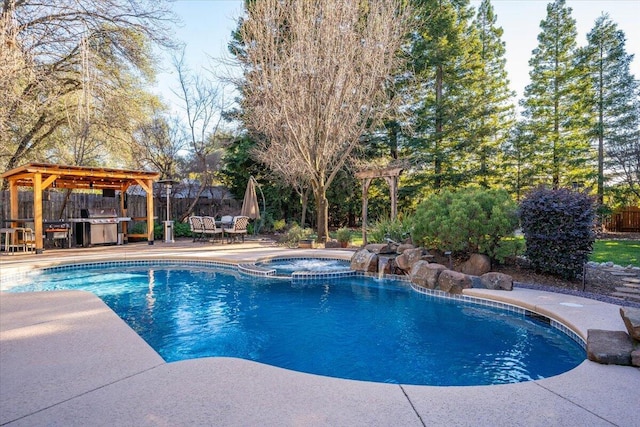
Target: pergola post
x=123, y=210
x=391, y=176
x=150, y=211
x=13, y=201
x=37, y=211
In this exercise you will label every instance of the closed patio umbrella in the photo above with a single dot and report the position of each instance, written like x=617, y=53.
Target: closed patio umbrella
x=250, y=205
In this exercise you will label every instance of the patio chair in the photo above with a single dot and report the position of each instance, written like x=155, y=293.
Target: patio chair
x=237, y=228
x=209, y=227
x=197, y=227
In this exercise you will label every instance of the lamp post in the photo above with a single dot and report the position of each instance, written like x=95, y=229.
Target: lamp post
x=168, y=224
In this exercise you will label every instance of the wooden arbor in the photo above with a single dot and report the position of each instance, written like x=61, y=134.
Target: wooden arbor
x=390, y=174
x=41, y=176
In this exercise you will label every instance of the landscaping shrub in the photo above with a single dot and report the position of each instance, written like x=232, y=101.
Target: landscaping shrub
x=279, y=225
x=398, y=230
x=558, y=227
x=141, y=228
x=180, y=229
x=295, y=234
x=471, y=220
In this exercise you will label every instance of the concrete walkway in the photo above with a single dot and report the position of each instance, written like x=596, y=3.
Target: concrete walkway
x=66, y=359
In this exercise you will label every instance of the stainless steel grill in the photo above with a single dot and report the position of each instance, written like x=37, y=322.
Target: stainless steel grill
x=97, y=226
x=99, y=216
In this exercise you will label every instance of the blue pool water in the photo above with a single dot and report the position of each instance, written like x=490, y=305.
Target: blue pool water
x=357, y=328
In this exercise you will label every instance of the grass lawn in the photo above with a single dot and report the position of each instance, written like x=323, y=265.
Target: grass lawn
x=621, y=252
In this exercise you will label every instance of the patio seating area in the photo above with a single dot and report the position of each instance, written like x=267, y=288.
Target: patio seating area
x=67, y=359
x=206, y=228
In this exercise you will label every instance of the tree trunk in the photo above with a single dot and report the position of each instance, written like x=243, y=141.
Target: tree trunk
x=67, y=196
x=601, y=133
x=193, y=204
x=322, y=207
x=437, y=169
x=304, y=201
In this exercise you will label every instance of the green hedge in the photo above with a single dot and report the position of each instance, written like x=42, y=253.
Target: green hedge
x=180, y=229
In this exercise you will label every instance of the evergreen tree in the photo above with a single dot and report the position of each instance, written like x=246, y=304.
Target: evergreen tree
x=555, y=103
x=495, y=107
x=446, y=62
x=517, y=160
x=616, y=103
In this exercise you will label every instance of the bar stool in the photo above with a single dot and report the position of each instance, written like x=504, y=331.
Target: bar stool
x=10, y=239
x=28, y=240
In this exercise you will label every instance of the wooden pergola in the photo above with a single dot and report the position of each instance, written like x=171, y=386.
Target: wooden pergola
x=41, y=176
x=390, y=174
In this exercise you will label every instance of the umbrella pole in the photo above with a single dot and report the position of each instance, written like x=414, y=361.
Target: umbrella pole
x=264, y=205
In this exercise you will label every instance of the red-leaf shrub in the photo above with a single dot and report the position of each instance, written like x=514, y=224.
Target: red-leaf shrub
x=558, y=226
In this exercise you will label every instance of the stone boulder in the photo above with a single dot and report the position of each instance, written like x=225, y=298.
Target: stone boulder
x=453, y=281
x=426, y=274
x=494, y=280
x=381, y=248
x=332, y=244
x=403, y=247
x=366, y=261
x=609, y=347
x=386, y=265
x=409, y=257
x=476, y=265
x=631, y=318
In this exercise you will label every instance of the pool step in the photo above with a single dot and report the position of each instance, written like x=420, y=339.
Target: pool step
x=255, y=270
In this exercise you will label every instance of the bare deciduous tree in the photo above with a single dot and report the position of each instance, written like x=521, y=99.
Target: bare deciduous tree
x=55, y=51
x=625, y=163
x=316, y=77
x=279, y=162
x=158, y=144
x=203, y=106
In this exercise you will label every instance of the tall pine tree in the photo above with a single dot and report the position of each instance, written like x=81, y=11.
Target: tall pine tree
x=446, y=64
x=495, y=110
x=616, y=103
x=555, y=104
x=517, y=157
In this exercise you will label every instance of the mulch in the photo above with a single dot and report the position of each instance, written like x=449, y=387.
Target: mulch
x=598, y=284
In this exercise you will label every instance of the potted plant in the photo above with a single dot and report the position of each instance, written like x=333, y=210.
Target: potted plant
x=343, y=235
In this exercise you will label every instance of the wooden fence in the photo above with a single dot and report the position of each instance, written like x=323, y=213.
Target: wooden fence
x=624, y=220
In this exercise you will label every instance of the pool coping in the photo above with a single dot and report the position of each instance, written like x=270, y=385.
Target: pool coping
x=68, y=359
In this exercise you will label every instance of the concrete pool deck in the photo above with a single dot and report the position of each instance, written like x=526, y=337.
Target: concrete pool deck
x=67, y=359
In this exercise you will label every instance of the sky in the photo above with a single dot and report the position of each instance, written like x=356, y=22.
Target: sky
x=207, y=27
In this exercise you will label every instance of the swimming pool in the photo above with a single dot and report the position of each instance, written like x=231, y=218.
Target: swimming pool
x=357, y=328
